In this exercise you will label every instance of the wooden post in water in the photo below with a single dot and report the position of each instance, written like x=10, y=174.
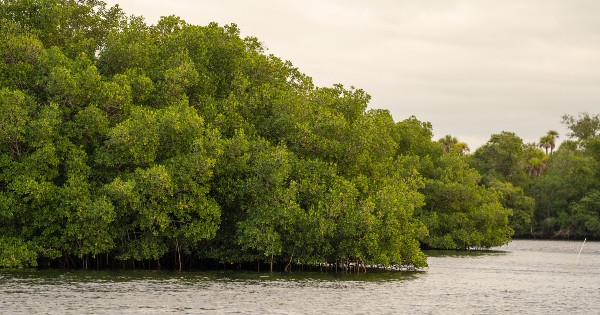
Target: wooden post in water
x=577, y=259
x=585, y=239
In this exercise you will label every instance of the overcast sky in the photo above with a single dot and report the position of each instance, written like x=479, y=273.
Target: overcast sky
x=470, y=67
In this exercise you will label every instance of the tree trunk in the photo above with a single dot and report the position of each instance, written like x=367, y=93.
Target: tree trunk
x=178, y=253
x=288, y=268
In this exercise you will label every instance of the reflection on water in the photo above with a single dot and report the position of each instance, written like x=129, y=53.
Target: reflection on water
x=525, y=277
x=463, y=253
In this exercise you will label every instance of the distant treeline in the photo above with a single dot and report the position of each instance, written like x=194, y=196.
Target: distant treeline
x=124, y=144
x=552, y=193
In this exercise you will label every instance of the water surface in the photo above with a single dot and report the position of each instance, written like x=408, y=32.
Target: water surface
x=525, y=277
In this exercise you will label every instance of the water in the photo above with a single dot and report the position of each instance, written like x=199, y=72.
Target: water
x=525, y=277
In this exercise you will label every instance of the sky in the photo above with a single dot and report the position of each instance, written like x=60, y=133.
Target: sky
x=472, y=68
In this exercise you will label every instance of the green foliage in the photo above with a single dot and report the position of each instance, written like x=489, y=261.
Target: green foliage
x=15, y=115
x=569, y=175
x=176, y=143
x=585, y=216
x=75, y=25
x=556, y=198
x=522, y=206
x=459, y=212
x=585, y=126
x=502, y=157
x=14, y=253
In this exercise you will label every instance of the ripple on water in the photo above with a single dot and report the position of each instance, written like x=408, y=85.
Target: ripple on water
x=525, y=277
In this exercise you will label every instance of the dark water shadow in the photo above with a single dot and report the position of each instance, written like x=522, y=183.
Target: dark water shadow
x=464, y=253
x=370, y=276
x=190, y=277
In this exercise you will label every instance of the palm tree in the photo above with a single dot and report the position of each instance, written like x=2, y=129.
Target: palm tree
x=535, y=166
x=448, y=142
x=553, y=135
x=536, y=159
x=546, y=143
x=462, y=148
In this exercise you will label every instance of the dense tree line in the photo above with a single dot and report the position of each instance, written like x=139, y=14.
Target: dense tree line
x=553, y=193
x=127, y=144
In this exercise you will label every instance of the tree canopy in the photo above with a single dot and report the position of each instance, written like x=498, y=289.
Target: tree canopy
x=127, y=144
x=558, y=196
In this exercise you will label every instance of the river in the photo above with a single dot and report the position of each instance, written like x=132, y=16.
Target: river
x=524, y=277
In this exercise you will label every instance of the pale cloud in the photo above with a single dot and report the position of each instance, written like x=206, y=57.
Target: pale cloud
x=471, y=67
